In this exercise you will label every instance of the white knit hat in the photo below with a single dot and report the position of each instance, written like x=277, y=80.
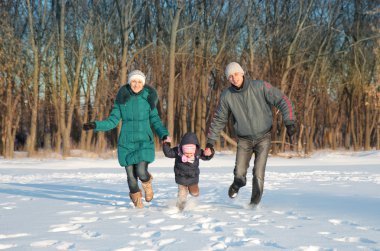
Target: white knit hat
x=136, y=74
x=232, y=68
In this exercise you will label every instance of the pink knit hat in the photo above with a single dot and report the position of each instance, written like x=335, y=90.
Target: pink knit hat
x=189, y=148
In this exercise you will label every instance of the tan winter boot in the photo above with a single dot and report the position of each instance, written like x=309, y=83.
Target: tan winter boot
x=182, y=197
x=137, y=199
x=147, y=186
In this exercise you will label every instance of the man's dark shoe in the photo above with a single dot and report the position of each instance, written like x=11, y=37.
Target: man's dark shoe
x=233, y=191
x=256, y=193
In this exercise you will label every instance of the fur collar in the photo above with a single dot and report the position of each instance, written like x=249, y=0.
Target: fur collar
x=148, y=93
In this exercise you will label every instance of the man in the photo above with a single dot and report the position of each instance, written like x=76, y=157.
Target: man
x=250, y=104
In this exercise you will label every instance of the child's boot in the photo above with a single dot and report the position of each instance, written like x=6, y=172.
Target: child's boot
x=182, y=197
x=147, y=186
x=137, y=199
x=194, y=190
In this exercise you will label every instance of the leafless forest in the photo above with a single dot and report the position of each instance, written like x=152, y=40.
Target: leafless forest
x=62, y=62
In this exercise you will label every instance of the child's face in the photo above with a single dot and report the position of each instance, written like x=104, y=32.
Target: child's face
x=189, y=155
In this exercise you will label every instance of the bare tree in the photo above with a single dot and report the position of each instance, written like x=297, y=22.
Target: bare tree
x=68, y=91
x=172, y=51
x=12, y=78
x=62, y=62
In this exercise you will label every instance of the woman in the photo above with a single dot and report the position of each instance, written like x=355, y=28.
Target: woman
x=135, y=105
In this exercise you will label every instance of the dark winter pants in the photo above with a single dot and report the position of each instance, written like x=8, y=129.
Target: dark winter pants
x=134, y=172
x=245, y=149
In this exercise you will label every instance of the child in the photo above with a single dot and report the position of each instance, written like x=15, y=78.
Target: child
x=186, y=165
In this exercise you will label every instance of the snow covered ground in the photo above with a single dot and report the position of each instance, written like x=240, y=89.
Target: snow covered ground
x=330, y=201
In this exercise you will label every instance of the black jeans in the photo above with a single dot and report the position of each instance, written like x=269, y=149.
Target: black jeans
x=139, y=170
x=245, y=149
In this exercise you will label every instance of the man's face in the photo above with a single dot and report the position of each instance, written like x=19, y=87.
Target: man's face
x=236, y=79
x=136, y=85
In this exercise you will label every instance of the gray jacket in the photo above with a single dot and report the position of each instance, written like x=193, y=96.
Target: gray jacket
x=250, y=108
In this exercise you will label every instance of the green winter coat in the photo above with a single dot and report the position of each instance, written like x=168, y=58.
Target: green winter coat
x=138, y=113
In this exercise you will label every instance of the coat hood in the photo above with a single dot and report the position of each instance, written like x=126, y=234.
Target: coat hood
x=189, y=138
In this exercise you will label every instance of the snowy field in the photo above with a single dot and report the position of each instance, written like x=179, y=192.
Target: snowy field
x=330, y=201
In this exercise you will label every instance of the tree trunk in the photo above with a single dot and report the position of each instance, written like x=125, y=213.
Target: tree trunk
x=63, y=81
x=66, y=119
x=203, y=107
x=84, y=135
x=125, y=14
x=274, y=132
x=172, y=50
x=353, y=131
x=378, y=137
x=10, y=121
x=31, y=141
x=184, y=99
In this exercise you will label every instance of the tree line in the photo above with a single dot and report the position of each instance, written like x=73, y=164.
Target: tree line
x=63, y=61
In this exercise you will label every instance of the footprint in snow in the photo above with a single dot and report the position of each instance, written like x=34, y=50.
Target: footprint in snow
x=78, y=220
x=145, y=244
x=337, y=222
x=64, y=227
x=125, y=249
x=257, y=216
x=72, y=203
x=310, y=248
x=11, y=236
x=147, y=234
x=223, y=242
x=171, y=227
x=206, y=227
x=246, y=232
x=118, y=203
x=220, y=245
x=9, y=208
x=118, y=217
x=44, y=244
x=204, y=220
x=108, y=212
x=67, y=212
x=7, y=204
x=86, y=234
x=90, y=213
x=324, y=233
x=278, y=212
x=354, y=240
x=7, y=246
x=175, y=213
x=156, y=221
x=138, y=226
x=49, y=243
x=65, y=245
x=164, y=242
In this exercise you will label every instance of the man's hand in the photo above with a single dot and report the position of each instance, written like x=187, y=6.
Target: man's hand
x=89, y=126
x=290, y=130
x=209, y=150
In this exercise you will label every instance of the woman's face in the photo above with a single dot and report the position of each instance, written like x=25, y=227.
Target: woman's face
x=137, y=85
